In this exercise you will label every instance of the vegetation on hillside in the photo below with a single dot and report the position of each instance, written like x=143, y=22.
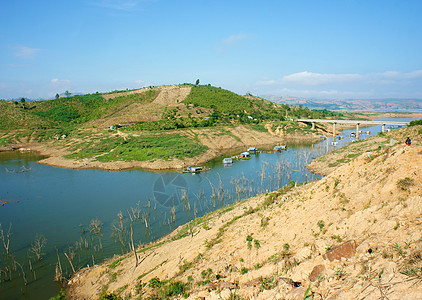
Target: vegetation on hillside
x=64, y=112
x=415, y=123
x=228, y=108
x=75, y=120
x=107, y=148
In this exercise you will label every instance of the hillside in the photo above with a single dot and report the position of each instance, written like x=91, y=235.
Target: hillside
x=351, y=105
x=354, y=234
x=156, y=127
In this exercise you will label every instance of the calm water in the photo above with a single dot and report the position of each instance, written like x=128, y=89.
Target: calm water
x=59, y=204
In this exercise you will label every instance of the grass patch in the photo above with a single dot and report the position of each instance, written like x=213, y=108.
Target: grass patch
x=405, y=184
x=143, y=148
x=168, y=289
x=115, y=263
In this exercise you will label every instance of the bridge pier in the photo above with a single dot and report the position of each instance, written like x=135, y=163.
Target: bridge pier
x=357, y=131
x=334, y=131
x=383, y=128
x=313, y=126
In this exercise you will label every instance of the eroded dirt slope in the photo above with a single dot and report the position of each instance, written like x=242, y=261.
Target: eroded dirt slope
x=355, y=234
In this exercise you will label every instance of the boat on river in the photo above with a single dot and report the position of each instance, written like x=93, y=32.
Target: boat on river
x=194, y=170
x=252, y=150
x=280, y=148
x=242, y=156
x=227, y=160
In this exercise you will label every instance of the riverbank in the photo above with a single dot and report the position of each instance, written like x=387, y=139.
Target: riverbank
x=356, y=233
x=86, y=147
x=217, y=140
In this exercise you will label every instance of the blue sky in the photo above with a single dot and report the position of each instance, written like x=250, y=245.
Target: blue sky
x=314, y=49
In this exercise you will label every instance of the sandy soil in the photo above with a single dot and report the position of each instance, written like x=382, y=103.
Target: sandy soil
x=354, y=234
x=167, y=97
x=328, y=163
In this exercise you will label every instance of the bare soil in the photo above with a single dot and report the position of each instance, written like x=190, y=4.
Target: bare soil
x=370, y=208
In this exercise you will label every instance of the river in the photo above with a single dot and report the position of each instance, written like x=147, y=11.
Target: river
x=58, y=205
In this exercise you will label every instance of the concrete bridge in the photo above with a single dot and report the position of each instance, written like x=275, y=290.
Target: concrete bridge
x=357, y=122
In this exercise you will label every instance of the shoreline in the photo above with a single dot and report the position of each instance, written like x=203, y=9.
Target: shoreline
x=54, y=155
x=347, y=221
x=239, y=137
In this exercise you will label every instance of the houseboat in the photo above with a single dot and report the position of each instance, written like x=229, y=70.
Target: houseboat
x=252, y=150
x=280, y=148
x=193, y=169
x=227, y=160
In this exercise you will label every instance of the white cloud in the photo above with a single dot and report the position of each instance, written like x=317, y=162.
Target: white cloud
x=318, y=79
x=25, y=52
x=314, y=79
x=60, y=85
x=345, y=85
x=397, y=75
x=234, y=39
x=414, y=74
x=267, y=82
x=141, y=83
x=123, y=5
x=312, y=93
x=56, y=81
x=231, y=41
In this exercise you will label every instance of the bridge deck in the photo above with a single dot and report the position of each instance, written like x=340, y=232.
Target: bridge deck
x=361, y=122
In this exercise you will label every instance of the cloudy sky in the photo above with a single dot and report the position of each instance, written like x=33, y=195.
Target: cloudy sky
x=303, y=48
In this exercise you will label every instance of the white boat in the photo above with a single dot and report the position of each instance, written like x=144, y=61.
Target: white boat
x=252, y=150
x=194, y=169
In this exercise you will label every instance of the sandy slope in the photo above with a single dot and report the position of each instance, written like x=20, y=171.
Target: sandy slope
x=374, y=201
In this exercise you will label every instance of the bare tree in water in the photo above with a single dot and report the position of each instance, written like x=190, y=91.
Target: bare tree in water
x=38, y=245
x=95, y=227
x=6, y=238
x=119, y=230
x=134, y=215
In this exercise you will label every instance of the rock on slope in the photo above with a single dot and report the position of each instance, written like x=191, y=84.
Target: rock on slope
x=355, y=234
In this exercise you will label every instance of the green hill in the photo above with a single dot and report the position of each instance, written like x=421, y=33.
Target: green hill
x=204, y=106
x=144, y=118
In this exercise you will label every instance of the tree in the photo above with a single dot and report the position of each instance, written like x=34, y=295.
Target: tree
x=37, y=246
x=95, y=227
x=57, y=96
x=67, y=93
x=197, y=82
x=23, y=102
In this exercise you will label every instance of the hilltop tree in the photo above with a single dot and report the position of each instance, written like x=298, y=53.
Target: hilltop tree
x=67, y=93
x=57, y=96
x=197, y=82
x=23, y=103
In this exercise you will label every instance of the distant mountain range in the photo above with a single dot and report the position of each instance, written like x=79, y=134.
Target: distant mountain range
x=414, y=105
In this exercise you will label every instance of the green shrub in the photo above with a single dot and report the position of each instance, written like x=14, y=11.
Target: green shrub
x=60, y=296
x=104, y=295
x=415, y=122
x=405, y=184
